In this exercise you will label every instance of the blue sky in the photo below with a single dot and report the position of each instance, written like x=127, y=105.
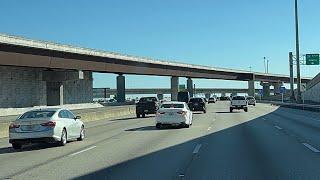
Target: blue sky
x=221, y=33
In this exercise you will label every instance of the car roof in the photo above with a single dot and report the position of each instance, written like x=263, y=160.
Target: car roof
x=173, y=102
x=47, y=109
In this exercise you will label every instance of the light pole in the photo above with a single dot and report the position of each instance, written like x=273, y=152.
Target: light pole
x=250, y=68
x=264, y=63
x=297, y=53
x=267, y=65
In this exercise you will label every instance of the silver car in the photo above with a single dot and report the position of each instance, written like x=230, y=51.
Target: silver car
x=46, y=125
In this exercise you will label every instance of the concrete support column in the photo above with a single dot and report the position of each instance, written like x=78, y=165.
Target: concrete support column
x=160, y=96
x=174, y=88
x=276, y=87
x=266, y=88
x=251, y=88
x=121, y=88
x=190, y=86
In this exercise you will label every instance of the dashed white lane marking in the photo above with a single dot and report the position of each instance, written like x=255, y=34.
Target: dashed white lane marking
x=311, y=147
x=84, y=150
x=209, y=128
x=196, y=149
x=278, y=127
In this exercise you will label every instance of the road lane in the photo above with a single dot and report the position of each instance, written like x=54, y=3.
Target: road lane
x=219, y=145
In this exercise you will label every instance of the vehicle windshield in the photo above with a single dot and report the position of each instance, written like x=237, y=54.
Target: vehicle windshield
x=167, y=106
x=250, y=98
x=239, y=98
x=37, y=115
x=193, y=100
x=148, y=99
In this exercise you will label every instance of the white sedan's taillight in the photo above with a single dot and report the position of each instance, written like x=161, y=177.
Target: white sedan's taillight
x=49, y=124
x=13, y=126
x=183, y=113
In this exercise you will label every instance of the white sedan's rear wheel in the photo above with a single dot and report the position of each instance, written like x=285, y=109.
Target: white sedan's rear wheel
x=63, y=139
x=82, y=134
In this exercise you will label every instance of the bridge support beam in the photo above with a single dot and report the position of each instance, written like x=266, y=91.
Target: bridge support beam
x=174, y=88
x=190, y=86
x=266, y=88
x=121, y=88
x=251, y=88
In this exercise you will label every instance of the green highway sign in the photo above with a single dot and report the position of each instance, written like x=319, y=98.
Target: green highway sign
x=312, y=59
x=182, y=87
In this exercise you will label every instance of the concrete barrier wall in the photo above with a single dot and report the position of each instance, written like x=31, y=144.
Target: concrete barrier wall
x=87, y=115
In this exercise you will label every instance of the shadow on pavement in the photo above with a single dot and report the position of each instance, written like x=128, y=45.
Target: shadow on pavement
x=153, y=128
x=28, y=147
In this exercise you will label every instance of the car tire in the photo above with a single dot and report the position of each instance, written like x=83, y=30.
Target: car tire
x=82, y=134
x=254, y=104
x=231, y=110
x=138, y=115
x=63, y=139
x=143, y=115
x=16, y=146
x=186, y=125
x=158, y=126
x=204, y=111
x=245, y=109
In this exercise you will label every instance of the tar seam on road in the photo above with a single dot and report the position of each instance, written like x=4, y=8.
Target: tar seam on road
x=84, y=150
x=196, y=149
x=311, y=147
x=278, y=127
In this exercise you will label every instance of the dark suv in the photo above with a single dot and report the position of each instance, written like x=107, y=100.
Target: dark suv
x=197, y=104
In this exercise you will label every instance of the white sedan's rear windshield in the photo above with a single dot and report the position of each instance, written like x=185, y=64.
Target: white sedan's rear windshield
x=37, y=114
x=172, y=106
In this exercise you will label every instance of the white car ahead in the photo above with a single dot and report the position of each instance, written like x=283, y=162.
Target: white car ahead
x=174, y=113
x=46, y=125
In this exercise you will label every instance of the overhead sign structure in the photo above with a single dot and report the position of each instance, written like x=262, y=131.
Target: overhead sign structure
x=182, y=87
x=312, y=59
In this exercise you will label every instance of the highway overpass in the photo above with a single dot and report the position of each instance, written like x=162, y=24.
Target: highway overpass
x=106, y=92
x=47, y=73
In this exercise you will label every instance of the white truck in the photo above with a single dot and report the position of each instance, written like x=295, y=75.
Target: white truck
x=239, y=102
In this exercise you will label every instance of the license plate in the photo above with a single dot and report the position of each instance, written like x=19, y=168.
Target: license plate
x=27, y=127
x=145, y=110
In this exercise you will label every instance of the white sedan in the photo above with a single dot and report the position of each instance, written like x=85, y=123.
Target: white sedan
x=174, y=113
x=46, y=125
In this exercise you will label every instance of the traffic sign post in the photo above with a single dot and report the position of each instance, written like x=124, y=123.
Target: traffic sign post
x=282, y=91
x=260, y=93
x=312, y=59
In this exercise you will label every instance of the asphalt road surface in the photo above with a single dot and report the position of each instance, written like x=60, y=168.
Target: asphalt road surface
x=266, y=143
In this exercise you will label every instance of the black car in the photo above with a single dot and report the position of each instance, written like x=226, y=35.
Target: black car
x=147, y=105
x=183, y=96
x=197, y=104
x=212, y=100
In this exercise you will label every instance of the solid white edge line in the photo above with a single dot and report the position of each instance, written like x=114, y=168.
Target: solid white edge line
x=196, y=149
x=84, y=150
x=278, y=127
x=311, y=147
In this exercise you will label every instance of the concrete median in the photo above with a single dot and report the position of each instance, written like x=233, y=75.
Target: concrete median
x=87, y=115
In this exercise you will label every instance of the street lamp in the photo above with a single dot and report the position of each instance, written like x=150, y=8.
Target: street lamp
x=297, y=52
x=266, y=65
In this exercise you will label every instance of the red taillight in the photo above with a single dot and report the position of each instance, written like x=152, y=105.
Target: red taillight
x=159, y=113
x=13, y=126
x=182, y=112
x=49, y=124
